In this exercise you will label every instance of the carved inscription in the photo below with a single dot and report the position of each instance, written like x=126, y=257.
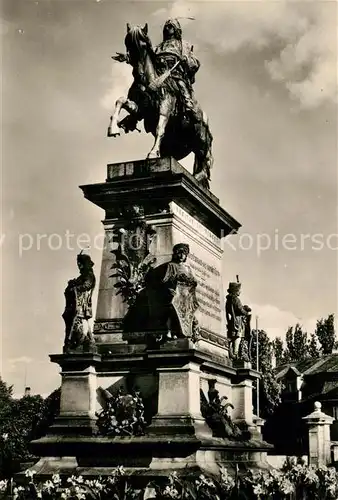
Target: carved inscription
x=193, y=223
x=204, y=265
x=208, y=296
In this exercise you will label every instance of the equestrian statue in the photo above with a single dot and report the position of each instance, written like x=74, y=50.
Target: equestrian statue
x=162, y=96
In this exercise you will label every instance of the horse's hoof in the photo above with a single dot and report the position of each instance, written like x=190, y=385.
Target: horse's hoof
x=113, y=132
x=202, y=179
x=153, y=154
x=200, y=176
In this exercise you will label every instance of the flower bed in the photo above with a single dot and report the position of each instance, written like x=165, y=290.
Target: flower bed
x=292, y=482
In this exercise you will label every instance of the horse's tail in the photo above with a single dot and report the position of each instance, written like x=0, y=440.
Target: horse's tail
x=207, y=128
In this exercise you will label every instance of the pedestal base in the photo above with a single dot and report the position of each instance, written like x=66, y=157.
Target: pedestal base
x=147, y=455
x=171, y=381
x=176, y=380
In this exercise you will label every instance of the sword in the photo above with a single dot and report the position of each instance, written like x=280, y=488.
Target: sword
x=158, y=82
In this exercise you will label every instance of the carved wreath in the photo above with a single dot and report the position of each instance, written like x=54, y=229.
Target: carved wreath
x=123, y=415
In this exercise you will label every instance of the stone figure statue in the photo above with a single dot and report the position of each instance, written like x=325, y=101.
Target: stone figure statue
x=238, y=323
x=78, y=311
x=172, y=50
x=166, y=307
x=215, y=411
x=162, y=96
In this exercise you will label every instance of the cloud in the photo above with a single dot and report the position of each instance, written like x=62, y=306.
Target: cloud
x=120, y=81
x=21, y=359
x=276, y=321
x=298, y=40
x=13, y=364
x=5, y=27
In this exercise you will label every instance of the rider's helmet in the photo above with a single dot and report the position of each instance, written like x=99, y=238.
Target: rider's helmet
x=175, y=26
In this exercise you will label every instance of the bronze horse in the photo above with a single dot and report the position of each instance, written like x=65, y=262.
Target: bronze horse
x=155, y=99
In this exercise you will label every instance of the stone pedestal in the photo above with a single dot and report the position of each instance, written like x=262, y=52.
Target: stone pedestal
x=169, y=379
x=242, y=398
x=179, y=408
x=156, y=198
x=170, y=201
x=259, y=424
x=78, y=393
x=319, y=437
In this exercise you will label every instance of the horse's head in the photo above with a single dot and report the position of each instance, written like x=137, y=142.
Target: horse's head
x=137, y=42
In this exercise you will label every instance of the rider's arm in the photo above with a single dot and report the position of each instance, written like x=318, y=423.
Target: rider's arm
x=190, y=59
x=121, y=57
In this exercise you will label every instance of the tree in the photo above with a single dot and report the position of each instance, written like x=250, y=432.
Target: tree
x=278, y=348
x=50, y=410
x=300, y=344
x=5, y=402
x=16, y=431
x=5, y=419
x=289, y=351
x=297, y=347
x=269, y=387
x=5, y=392
x=313, y=347
x=325, y=331
x=18, y=419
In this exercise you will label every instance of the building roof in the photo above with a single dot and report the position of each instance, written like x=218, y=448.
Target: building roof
x=312, y=366
x=328, y=364
x=286, y=369
x=322, y=391
x=324, y=386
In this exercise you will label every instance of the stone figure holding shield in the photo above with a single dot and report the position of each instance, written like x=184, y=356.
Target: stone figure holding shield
x=166, y=307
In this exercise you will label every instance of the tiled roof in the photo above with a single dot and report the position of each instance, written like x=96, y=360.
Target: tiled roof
x=284, y=371
x=327, y=363
x=330, y=386
x=326, y=390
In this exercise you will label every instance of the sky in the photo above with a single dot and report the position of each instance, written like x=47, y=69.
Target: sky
x=268, y=84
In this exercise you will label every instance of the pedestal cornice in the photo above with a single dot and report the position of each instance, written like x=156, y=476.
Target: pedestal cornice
x=76, y=361
x=159, y=182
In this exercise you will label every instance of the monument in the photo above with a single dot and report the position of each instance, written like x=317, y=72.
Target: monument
x=159, y=385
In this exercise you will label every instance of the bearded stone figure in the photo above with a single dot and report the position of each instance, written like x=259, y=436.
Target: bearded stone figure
x=78, y=311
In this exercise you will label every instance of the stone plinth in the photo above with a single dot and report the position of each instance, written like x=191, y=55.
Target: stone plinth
x=161, y=204
x=78, y=393
x=242, y=398
x=319, y=436
x=179, y=408
x=170, y=201
x=169, y=379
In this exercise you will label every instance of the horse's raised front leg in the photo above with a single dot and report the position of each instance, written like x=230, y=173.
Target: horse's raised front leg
x=121, y=103
x=166, y=109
